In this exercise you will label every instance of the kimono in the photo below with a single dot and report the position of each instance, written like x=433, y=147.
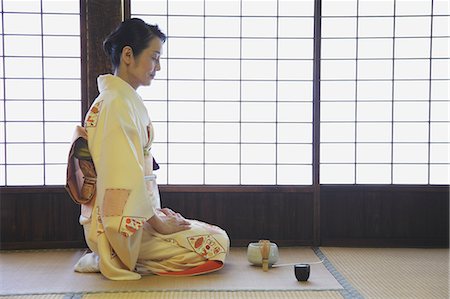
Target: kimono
x=123, y=243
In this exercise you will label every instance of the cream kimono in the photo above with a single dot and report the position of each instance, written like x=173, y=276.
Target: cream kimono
x=124, y=245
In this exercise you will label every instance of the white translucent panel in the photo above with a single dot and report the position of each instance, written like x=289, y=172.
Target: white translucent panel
x=160, y=131
x=222, y=90
x=295, y=27
x=61, y=24
x=338, y=27
x=413, y=26
x=24, y=132
x=62, y=6
x=23, y=67
x=440, y=111
x=2, y=176
x=159, y=152
x=338, y=48
x=22, y=45
x=181, y=90
x=221, y=153
x=413, y=7
x=375, y=48
x=376, y=27
x=337, y=132
x=144, y=7
x=185, y=132
x=440, y=132
x=441, y=47
x=295, y=48
x=157, y=110
x=339, y=8
x=440, y=153
x=337, y=69
x=337, y=153
x=186, y=7
x=296, y=8
x=410, y=174
x=441, y=25
x=259, y=27
x=440, y=174
x=56, y=153
x=222, y=69
x=258, y=153
x=373, y=174
x=295, y=91
x=259, y=48
x=222, y=132
x=258, y=133
x=374, y=69
x=412, y=48
x=342, y=91
x=295, y=70
x=259, y=69
x=161, y=174
x=157, y=91
x=370, y=111
x=337, y=174
x=330, y=111
x=24, y=153
x=374, y=90
x=265, y=112
x=22, y=6
x=294, y=153
x=376, y=8
x=222, y=48
x=24, y=111
x=294, y=175
x=55, y=174
x=185, y=47
x=23, y=89
x=219, y=111
x=222, y=7
x=412, y=69
x=62, y=89
x=373, y=153
x=162, y=73
x=185, y=153
x=294, y=133
x=258, y=174
x=440, y=69
x=62, y=67
x=222, y=174
x=1, y=68
x=185, y=174
x=259, y=8
x=189, y=111
x=2, y=135
x=373, y=132
x=411, y=111
x=22, y=175
x=258, y=91
x=59, y=131
x=186, y=69
x=410, y=153
x=222, y=27
x=410, y=132
x=68, y=46
x=295, y=112
x=411, y=90
x=63, y=111
x=185, y=26
x=14, y=23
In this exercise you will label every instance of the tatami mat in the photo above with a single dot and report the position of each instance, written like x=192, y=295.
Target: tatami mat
x=393, y=272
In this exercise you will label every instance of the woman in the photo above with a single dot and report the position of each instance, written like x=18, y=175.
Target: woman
x=126, y=230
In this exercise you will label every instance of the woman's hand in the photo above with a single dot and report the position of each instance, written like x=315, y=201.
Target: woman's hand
x=169, y=222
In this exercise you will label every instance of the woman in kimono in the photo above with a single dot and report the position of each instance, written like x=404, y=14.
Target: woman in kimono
x=125, y=228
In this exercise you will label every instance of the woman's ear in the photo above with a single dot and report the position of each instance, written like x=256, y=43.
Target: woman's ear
x=127, y=55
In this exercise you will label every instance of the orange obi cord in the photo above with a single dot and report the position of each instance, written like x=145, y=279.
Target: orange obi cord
x=208, y=267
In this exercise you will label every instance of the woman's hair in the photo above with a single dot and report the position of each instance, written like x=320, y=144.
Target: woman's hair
x=134, y=33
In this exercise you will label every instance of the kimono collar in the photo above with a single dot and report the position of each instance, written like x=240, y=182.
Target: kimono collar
x=112, y=82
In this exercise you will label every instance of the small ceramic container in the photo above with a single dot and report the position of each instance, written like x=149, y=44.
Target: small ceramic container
x=254, y=254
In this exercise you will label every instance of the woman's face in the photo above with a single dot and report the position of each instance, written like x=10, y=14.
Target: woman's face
x=143, y=68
